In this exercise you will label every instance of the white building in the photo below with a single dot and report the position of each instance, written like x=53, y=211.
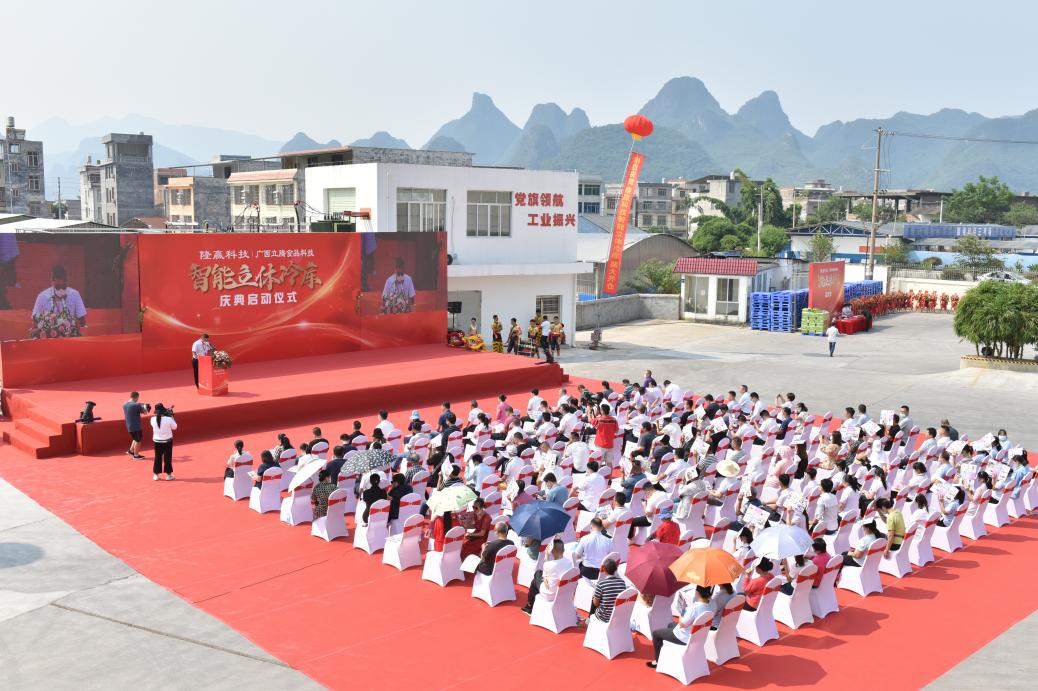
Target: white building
x=512, y=233
x=718, y=290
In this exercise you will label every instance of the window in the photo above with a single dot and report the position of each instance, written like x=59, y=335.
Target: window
x=590, y=189
x=661, y=192
x=697, y=291
x=311, y=161
x=270, y=221
x=35, y=209
x=270, y=194
x=14, y=148
x=34, y=183
x=288, y=195
x=611, y=203
x=489, y=214
x=246, y=194
x=13, y=166
x=174, y=218
x=727, y=297
x=189, y=219
x=33, y=159
x=420, y=210
x=662, y=206
x=336, y=201
x=589, y=208
x=549, y=304
x=337, y=159
x=182, y=197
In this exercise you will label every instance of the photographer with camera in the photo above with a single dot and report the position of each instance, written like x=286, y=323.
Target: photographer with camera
x=132, y=411
x=162, y=426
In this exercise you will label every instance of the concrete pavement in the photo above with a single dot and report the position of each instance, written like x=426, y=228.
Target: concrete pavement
x=73, y=616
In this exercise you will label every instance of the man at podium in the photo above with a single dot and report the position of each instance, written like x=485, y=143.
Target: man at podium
x=200, y=348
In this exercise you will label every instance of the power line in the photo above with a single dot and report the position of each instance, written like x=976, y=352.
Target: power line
x=949, y=138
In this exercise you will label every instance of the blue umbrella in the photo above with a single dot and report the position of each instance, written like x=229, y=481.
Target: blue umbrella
x=539, y=520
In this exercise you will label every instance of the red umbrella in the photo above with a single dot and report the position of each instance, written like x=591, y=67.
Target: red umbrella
x=649, y=569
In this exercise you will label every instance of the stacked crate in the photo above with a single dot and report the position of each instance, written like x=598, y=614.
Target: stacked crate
x=813, y=321
x=760, y=311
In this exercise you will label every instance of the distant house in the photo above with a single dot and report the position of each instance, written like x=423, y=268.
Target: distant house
x=594, y=237
x=718, y=289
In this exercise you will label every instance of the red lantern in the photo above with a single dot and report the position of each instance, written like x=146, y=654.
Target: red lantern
x=638, y=126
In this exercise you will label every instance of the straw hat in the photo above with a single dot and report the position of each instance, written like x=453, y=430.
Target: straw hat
x=728, y=468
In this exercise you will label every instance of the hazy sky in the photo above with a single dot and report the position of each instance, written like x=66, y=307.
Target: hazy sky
x=345, y=69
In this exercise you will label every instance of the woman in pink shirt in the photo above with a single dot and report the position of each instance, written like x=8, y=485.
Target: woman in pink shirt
x=820, y=560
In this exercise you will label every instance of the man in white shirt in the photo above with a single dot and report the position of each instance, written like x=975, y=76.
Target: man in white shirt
x=672, y=392
x=384, y=424
x=474, y=411
x=199, y=348
x=564, y=399
x=744, y=404
x=566, y=422
x=477, y=471
x=832, y=333
x=545, y=581
x=579, y=451
x=673, y=430
x=591, y=487
x=60, y=302
x=591, y=550
x=533, y=406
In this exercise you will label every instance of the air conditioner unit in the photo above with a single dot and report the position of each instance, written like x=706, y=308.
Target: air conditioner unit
x=452, y=258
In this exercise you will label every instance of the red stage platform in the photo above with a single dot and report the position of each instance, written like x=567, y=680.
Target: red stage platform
x=268, y=394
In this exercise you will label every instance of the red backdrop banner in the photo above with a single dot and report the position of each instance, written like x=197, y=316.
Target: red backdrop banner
x=260, y=296
x=825, y=285
x=623, y=213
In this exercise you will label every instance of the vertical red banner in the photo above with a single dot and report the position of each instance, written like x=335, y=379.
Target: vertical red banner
x=623, y=214
x=825, y=285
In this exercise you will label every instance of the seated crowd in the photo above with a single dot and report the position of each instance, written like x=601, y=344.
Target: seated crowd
x=652, y=462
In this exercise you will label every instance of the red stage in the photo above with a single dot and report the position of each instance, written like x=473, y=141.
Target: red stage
x=267, y=395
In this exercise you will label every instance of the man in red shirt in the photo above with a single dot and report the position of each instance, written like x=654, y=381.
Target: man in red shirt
x=668, y=531
x=606, y=428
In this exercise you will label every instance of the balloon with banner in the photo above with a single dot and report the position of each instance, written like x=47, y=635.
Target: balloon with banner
x=638, y=126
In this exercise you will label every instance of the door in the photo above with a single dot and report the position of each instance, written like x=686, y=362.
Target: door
x=697, y=292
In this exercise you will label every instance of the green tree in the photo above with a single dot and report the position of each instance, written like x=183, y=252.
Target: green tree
x=731, y=242
x=750, y=197
x=1020, y=215
x=655, y=276
x=975, y=255
x=984, y=201
x=896, y=252
x=709, y=233
x=832, y=209
x=998, y=315
x=772, y=241
x=821, y=247
x=863, y=210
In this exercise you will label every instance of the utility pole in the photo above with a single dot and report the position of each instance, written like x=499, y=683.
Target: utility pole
x=59, y=199
x=871, y=261
x=760, y=216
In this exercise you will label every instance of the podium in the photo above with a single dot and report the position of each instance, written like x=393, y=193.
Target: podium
x=212, y=381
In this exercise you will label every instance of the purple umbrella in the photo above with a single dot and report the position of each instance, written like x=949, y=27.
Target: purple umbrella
x=648, y=569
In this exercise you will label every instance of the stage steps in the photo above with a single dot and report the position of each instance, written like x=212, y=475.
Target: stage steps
x=39, y=436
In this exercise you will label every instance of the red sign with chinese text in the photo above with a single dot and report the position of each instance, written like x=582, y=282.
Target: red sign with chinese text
x=544, y=202
x=259, y=295
x=623, y=214
x=825, y=286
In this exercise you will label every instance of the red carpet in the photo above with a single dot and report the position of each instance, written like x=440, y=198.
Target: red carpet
x=346, y=620
x=269, y=393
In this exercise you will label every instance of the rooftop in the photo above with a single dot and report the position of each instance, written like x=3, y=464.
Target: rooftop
x=716, y=267
x=263, y=175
